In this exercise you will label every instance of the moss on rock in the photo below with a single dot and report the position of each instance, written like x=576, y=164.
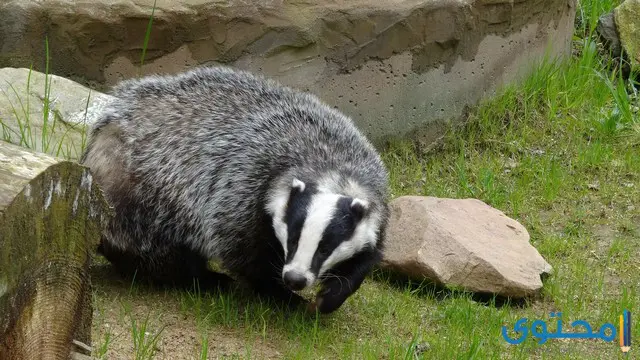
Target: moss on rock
x=51, y=217
x=627, y=17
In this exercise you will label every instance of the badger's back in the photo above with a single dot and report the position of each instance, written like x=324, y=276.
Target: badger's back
x=195, y=153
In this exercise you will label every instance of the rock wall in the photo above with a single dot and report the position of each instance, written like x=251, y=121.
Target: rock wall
x=397, y=67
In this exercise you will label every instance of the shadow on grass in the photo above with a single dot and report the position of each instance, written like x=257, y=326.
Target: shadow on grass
x=429, y=289
x=238, y=307
x=232, y=306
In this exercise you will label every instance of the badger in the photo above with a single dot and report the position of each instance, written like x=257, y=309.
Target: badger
x=218, y=163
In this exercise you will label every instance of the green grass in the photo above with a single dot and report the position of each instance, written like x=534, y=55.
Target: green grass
x=144, y=342
x=147, y=36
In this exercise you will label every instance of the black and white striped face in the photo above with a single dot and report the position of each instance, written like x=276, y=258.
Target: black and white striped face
x=318, y=230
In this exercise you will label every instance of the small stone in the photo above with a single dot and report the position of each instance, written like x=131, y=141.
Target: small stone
x=511, y=164
x=421, y=348
x=464, y=243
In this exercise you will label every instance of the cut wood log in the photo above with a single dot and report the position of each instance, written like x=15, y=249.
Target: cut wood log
x=51, y=217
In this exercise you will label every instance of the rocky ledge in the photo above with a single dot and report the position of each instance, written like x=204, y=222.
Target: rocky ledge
x=398, y=67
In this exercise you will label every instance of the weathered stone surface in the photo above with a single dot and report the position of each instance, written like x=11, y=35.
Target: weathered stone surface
x=627, y=17
x=71, y=108
x=398, y=67
x=465, y=243
x=607, y=30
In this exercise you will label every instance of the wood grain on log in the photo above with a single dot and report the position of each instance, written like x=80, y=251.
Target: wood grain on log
x=51, y=216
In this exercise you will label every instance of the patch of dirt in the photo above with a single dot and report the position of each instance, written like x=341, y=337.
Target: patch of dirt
x=180, y=336
x=604, y=235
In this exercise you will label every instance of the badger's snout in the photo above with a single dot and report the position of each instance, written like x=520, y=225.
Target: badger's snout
x=294, y=280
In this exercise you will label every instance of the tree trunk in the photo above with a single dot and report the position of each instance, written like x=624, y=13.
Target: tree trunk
x=51, y=216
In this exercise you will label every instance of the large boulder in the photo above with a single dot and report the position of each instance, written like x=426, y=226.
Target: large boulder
x=47, y=114
x=397, y=67
x=462, y=243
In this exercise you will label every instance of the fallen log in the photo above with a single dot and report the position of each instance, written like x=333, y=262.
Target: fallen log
x=51, y=216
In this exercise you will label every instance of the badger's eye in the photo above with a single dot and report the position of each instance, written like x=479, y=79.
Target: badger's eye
x=323, y=249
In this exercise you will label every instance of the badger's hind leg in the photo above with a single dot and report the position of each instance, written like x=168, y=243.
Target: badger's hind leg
x=160, y=264
x=177, y=267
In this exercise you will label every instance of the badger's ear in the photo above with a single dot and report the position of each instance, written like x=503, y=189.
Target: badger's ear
x=297, y=185
x=359, y=208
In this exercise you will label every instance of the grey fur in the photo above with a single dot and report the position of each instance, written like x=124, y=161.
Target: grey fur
x=189, y=160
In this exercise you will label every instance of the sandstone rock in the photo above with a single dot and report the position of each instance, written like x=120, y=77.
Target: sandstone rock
x=627, y=17
x=397, y=67
x=71, y=108
x=464, y=243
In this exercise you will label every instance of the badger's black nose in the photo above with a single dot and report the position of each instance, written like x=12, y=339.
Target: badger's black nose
x=294, y=280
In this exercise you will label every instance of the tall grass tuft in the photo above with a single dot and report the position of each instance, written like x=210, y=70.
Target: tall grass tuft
x=54, y=128
x=147, y=35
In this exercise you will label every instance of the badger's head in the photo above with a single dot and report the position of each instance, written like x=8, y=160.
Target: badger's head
x=319, y=230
